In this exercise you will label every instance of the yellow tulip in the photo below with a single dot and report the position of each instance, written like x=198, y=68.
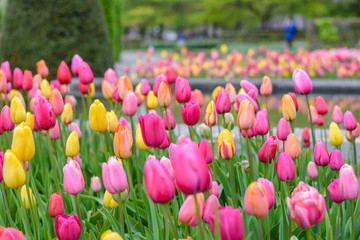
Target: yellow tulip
x=17, y=110
x=223, y=49
x=97, y=117
x=25, y=197
x=72, y=145
x=110, y=235
x=23, y=143
x=210, y=114
x=151, y=100
x=109, y=202
x=335, y=136
x=226, y=145
x=45, y=88
x=29, y=121
x=92, y=90
x=67, y=114
x=288, y=108
x=13, y=170
x=215, y=93
x=112, y=121
x=139, y=139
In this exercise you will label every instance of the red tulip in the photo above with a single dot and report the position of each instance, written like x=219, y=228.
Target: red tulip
x=306, y=137
x=182, y=90
x=321, y=154
x=267, y=151
x=320, y=105
x=152, y=130
x=67, y=227
x=63, y=73
x=28, y=80
x=285, y=167
x=56, y=205
x=190, y=113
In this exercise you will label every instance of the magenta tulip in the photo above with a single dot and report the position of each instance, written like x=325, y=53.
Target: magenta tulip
x=45, y=116
x=336, y=160
x=190, y=113
x=18, y=78
x=172, y=121
x=28, y=80
x=182, y=90
x=261, y=124
x=320, y=105
x=350, y=122
x=75, y=64
x=5, y=66
x=152, y=130
x=222, y=102
x=321, y=154
x=67, y=227
x=267, y=151
x=85, y=73
x=285, y=167
x=334, y=191
x=283, y=129
x=6, y=124
x=337, y=115
x=205, y=149
x=210, y=207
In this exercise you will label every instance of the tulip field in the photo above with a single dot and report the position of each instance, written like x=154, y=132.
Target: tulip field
x=118, y=169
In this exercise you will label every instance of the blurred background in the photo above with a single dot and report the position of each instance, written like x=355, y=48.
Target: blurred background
x=111, y=33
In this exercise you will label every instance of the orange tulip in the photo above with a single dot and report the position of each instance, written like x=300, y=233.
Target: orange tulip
x=256, y=200
x=41, y=68
x=292, y=146
x=124, y=85
x=123, y=141
x=231, y=91
x=164, y=94
x=288, y=108
x=266, y=86
x=246, y=115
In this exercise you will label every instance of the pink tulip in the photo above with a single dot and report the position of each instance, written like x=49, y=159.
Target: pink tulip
x=182, y=90
x=129, y=105
x=205, y=149
x=312, y=171
x=210, y=207
x=75, y=64
x=222, y=102
x=56, y=102
x=261, y=124
x=116, y=95
x=285, y=167
x=187, y=212
x=122, y=121
x=166, y=142
x=320, y=105
x=306, y=206
x=283, y=129
x=251, y=133
x=11, y=234
x=3, y=83
x=302, y=82
x=334, y=191
x=45, y=116
x=1, y=166
x=152, y=130
x=166, y=163
x=249, y=88
x=321, y=120
x=267, y=151
x=110, y=76
x=56, y=205
x=5, y=66
x=159, y=185
x=76, y=159
x=73, y=178
x=306, y=137
x=95, y=184
x=18, y=78
x=85, y=73
x=114, y=177
x=54, y=84
x=337, y=115
x=190, y=113
x=75, y=127
x=63, y=73
x=54, y=132
x=28, y=80
x=170, y=74
x=172, y=121
x=293, y=96
x=349, y=183
x=145, y=87
x=6, y=124
x=214, y=190
x=336, y=160
x=314, y=115
x=349, y=121
x=269, y=186
x=239, y=98
x=67, y=227
x=321, y=154
x=191, y=170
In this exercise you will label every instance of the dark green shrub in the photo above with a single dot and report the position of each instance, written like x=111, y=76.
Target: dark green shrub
x=55, y=30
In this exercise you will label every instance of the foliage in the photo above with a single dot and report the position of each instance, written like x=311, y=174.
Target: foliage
x=327, y=31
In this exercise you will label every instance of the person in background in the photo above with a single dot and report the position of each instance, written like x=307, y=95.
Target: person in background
x=290, y=30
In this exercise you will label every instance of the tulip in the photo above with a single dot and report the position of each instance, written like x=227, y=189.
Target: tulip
x=5, y=66
x=124, y=85
x=350, y=122
x=215, y=93
x=56, y=101
x=288, y=108
x=334, y=191
x=166, y=163
x=25, y=197
x=249, y=88
x=73, y=178
x=190, y=113
x=161, y=77
x=205, y=149
x=223, y=103
x=314, y=116
x=226, y=145
x=159, y=184
x=246, y=116
x=321, y=154
x=72, y=145
x=3, y=82
x=67, y=114
x=267, y=151
x=172, y=121
x=285, y=167
x=293, y=96
x=349, y=184
x=182, y=90
x=261, y=124
x=54, y=132
x=166, y=142
x=85, y=74
x=283, y=129
x=129, y=105
x=107, y=89
x=187, y=212
x=256, y=201
x=164, y=94
x=170, y=74
x=205, y=131
x=211, y=203
x=110, y=235
x=13, y=170
x=336, y=160
x=75, y=127
x=45, y=116
x=17, y=111
x=63, y=73
x=335, y=135
x=56, y=84
x=109, y=202
x=210, y=114
x=123, y=142
x=266, y=86
x=23, y=143
x=11, y=234
x=56, y=205
x=145, y=87
x=95, y=184
x=199, y=97
x=269, y=186
x=292, y=146
x=320, y=105
x=114, y=177
x=337, y=115
x=28, y=80
x=139, y=139
x=356, y=133
x=41, y=68
x=306, y=206
x=231, y=92
x=312, y=171
x=1, y=166
x=45, y=88
x=186, y=156
x=151, y=100
x=302, y=82
x=67, y=227
x=97, y=117
x=18, y=78
x=71, y=100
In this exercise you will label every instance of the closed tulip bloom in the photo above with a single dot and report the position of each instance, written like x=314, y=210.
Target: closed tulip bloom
x=306, y=206
x=41, y=68
x=110, y=235
x=210, y=114
x=199, y=97
x=170, y=74
x=249, y=88
x=256, y=201
x=306, y=137
x=97, y=117
x=112, y=121
x=269, y=186
x=311, y=170
x=190, y=113
x=17, y=111
x=187, y=212
x=261, y=124
x=67, y=114
x=337, y=115
x=67, y=227
x=18, y=78
x=267, y=151
x=246, y=115
x=320, y=105
x=23, y=143
x=335, y=135
x=73, y=178
x=302, y=82
x=145, y=87
x=28, y=80
x=151, y=100
x=334, y=191
x=205, y=149
x=223, y=103
x=114, y=177
x=56, y=101
x=1, y=166
x=349, y=183
x=54, y=132
x=314, y=115
x=45, y=88
x=321, y=154
x=285, y=167
x=56, y=205
x=209, y=208
x=63, y=73
x=186, y=156
x=45, y=116
x=75, y=127
x=226, y=145
x=349, y=121
x=266, y=86
x=321, y=120
x=123, y=142
x=159, y=185
x=172, y=121
x=292, y=146
x=5, y=66
x=13, y=170
x=231, y=92
x=283, y=129
x=356, y=133
x=107, y=89
x=129, y=105
x=3, y=82
x=25, y=197
x=182, y=90
x=336, y=160
x=95, y=184
x=124, y=85
x=288, y=108
x=72, y=145
x=75, y=64
x=139, y=139
x=158, y=80
x=164, y=94
x=166, y=163
x=293, y=96
x=11, y=234
x=85, y=73
x=215, y=93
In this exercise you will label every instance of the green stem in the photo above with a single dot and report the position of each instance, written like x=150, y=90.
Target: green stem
x=325, y=185
x=267, y=111
x=308, y=234
x=104, y=147
x=288, y=191
x=8, y=139
x=352, y=220
x=168, y=123
x=259, y=226
x=56, y=180
x=199, y=218
x=27, y=224
x=292, y=126
x=156, y=153
x=7, y=205
x=61, y=135
x=338, y=221
x=121, y=217
x=311, y=124
x=249, y=155
x=135, y=154
x=223, y=117
x=168, y=217
x=127, y=221
x=30, y=199
x=267, y=227
x=354, y=147
x=232, y=184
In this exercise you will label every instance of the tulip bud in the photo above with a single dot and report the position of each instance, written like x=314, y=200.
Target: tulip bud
x=17, y=111
x=256, y=200
x=67, y=227
x=45, y=88
x=267, y=151
x=209, y=209
x=23, y=144
x=269, y=186
x=95, y=184
x=334, y=191
x=110, y=235
x=283, y=129
x=56, y=101
x=336, y=160
x=231, y=92
x=85, y=74
x=28, y=80
x=293, y=96
x=25, y=197
x=112, y=121
x=229, y=121
x=114, y=177
x=97, y=117
x=5, y=66
x=226, y=145
x=139, y=139
x=249, y=88
x=337, y=115
x=306, y=137
x=285, y=167
x=67, y=114
x=172, y=121
x=215, y=93
x=288, y=108
x=123, y=142
x=205, y=149
x=166, y=163
x=151, y=100
x=190, y=113
x=124, y=85
x=223, y=103
x=261, y=124
x=320, y=105
x=3, y=82
x=145, y=87
x=164, y=94
x=187, y=212
x=321, y=154
x=302, y=82
x=56, y=205
x=45, y=116
x=266, y=86
x=349, y=121
x=312, y=171
x=18, y=78
x=41, y=68
x=129, y=106
x=63, y=73
x=349, y=184
x=246, y=116
x=210, y=114
x=182, y=90
x=72, y=145
x=11, y=234
x=13, y=170
x=335, y=135
x=73, y=178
